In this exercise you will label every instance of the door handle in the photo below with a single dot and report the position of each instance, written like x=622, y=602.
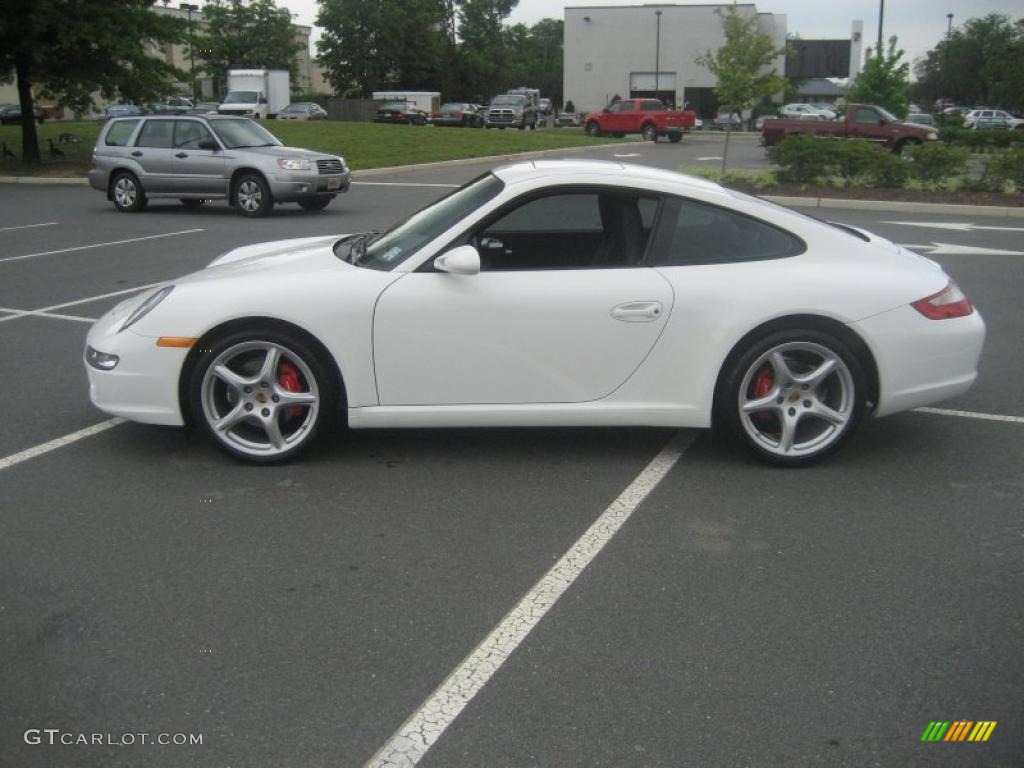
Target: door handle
x=136, y=153
x=182, y=155
x=637, y=311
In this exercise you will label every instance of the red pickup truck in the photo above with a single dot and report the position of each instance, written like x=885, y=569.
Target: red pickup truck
x=862, y=121
x=649, y=117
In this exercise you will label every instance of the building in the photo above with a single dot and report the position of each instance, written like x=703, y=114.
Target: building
x=811, y=59
x=649, y=50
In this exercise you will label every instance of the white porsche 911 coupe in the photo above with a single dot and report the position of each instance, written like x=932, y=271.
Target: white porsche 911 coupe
x=548, y=293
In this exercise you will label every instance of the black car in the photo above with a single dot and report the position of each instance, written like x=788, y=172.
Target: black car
x=10, y=114
x=400, y=112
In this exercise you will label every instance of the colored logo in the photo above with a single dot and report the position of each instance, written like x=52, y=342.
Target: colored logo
x=958, y=730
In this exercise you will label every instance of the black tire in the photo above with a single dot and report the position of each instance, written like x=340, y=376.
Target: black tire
x=315, y=203
x=192, y=204
x=593, y=129
x=649, y=132
x=675, y=136
x=244, y=353
x=250, y=194
x=127, y=193
x=781, y=418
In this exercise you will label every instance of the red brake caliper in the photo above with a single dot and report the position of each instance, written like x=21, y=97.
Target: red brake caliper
x=763, y=384
x=288, y=377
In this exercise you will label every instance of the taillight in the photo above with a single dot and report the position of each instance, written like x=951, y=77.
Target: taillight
x=947, y=303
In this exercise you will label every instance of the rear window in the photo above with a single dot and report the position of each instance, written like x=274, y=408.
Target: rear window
x=119, y=133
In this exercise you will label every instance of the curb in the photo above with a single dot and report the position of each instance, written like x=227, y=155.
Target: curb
x=952, y=209
x=42, y=180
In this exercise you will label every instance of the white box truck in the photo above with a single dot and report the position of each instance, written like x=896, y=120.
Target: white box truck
x=256, y=93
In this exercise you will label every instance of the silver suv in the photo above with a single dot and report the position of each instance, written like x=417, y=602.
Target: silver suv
x=199, y=159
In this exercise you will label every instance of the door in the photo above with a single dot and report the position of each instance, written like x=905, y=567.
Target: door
x=197, y=171
x=561, y=311
x=154, y=152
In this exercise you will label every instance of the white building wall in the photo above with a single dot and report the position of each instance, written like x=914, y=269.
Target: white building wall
x=604, y=45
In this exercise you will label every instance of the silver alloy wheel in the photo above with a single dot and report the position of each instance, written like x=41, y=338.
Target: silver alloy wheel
x=250, y=195
x=248, y=408
x=125, y=192
x=796, y=399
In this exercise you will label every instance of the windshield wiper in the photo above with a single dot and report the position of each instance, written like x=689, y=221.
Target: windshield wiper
x=358, y=249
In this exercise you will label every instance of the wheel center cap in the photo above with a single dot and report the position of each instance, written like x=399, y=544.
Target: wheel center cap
x=260, y=397
x=794, y=397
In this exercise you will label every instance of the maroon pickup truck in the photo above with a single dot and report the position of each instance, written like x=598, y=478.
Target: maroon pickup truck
x=649, y=117
x=862, y=121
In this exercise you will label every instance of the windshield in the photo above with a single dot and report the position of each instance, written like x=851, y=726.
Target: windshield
x=887, y=116
x=241, y=97
x=242, y=132
x=516, y=100
x=453, y=108
x=297, y=108
x=384, y=252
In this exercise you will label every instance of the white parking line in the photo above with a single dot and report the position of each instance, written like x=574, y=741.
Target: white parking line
x=28, y=226
x=403, y=184
x=99, y=245
x=40, y=313
x=49, y=310
x=412, y=741
x=972, y=415
x=60, y=442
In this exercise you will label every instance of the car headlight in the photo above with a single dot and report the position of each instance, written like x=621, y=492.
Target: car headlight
x=931, y=136
x=146, y=306
x=295, y=164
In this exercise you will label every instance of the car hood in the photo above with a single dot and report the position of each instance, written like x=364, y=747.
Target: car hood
x=290, y=256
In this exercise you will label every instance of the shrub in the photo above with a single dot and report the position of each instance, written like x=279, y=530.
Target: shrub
x=853, y=159
x=801, y=158
x=982, y=141
x=934, y=162
x=1007, y=168
x=887, y=170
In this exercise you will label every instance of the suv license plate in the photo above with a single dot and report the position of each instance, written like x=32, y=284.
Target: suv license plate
x=333, y=182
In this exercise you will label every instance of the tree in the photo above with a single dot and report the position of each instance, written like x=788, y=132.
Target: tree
x=981, y=62
x=246, y=35
x=743, y=66
x=70, y=49
x=483, y=59
x=884, y=81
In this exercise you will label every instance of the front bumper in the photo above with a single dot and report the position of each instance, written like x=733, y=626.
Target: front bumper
x=144, y=385
x=288, y=186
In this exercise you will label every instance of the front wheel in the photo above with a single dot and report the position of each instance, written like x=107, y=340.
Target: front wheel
x=252, y=196
x=593, y=129
x=792, y=397
x=315, y=203
x=262, y=395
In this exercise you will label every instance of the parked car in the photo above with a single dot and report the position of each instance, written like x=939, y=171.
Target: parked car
x=571, y=119
x=10, y=114
x=400, y=112
x=991, y=124
x=545, y=112
x=804, y=112
x=175, y=105
x=511, y=110
x=862, y=121
x=204, y=108
x=201, y=158
x=485, y=309
x=303, y=110
x=458, y=114
x=920, y=118
x=648, y=117
x=726, y=121
x=977, y=114
x=122, y=110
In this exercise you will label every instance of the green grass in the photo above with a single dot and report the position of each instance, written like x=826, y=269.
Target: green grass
x=363, y=145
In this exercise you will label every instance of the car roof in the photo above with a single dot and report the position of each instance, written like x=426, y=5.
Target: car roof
x=626, y=172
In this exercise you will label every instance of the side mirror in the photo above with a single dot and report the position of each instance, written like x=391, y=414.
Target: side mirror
x=463, y=260
x=208, y=144
x=606, y=110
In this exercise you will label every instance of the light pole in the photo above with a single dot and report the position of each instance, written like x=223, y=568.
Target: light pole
x=881, y=13
x=945, y=65
x=191, y=45
x=657, y=52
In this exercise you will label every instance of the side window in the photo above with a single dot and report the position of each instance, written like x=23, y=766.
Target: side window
x=867, y=117
x=156, y=133
x=692, y=233
x=119, y=133
x=651, y=106
x=571, y=229
x=188, y=134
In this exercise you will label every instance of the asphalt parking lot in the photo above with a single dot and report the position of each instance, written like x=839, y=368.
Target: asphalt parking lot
x=301, y=615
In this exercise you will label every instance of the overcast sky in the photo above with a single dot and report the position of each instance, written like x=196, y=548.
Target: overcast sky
x=919, y=24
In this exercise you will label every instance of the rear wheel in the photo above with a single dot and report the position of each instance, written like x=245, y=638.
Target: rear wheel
x=262, y=395
x=675, y=136
x=793, y=396
x=126, y=192
x=650, y=133
x=251, y=195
